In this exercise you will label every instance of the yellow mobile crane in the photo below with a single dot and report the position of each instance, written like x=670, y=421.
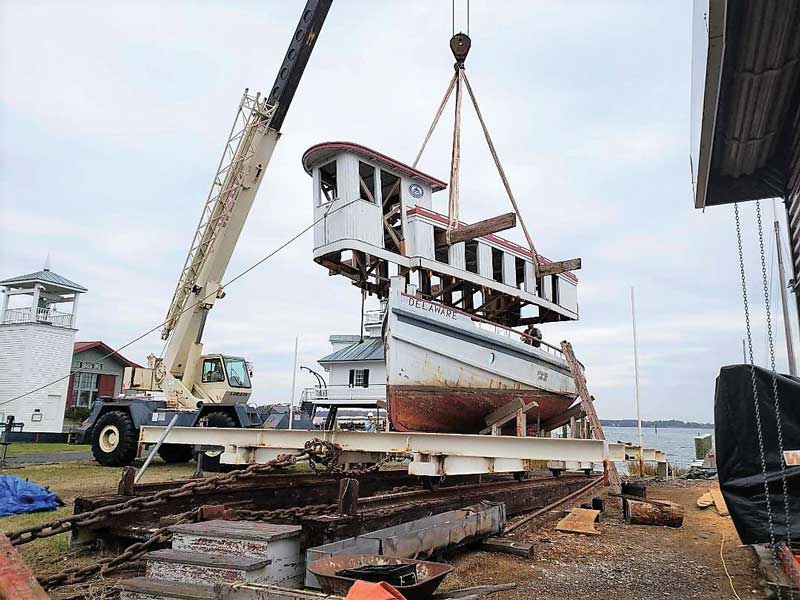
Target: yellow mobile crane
x=213, y=387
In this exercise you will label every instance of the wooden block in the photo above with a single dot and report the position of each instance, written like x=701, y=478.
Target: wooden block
x=482, y=228
x=579, y=520
x=553, y=268
x=719, y=501
x=705, y=500
x=507, y=546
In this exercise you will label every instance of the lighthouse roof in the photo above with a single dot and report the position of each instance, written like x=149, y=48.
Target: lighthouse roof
x=46, y=277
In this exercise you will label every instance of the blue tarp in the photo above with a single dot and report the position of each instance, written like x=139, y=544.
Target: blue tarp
x=18, y=496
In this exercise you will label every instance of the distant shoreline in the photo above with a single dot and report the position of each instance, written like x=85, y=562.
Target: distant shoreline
x=668, y=424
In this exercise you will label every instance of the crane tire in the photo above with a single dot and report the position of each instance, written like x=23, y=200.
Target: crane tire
x=175, y=453
x=114, y=439
x=211, y=460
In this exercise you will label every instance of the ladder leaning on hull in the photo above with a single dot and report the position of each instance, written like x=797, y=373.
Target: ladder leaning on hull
x=588, y=407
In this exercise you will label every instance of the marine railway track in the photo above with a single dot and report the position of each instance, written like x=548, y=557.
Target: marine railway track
x=385, y=498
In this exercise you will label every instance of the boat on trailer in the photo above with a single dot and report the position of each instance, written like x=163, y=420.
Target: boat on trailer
x=453, y=354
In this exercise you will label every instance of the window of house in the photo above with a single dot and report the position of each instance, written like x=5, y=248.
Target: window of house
x=327, y=182
x=359, y=377
x=85, y=387
x=555, y=289
x=366, y=175
x=212, y=371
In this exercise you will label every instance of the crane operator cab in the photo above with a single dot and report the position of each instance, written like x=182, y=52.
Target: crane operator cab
x=224, y=379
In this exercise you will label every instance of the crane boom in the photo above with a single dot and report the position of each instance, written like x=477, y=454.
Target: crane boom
x=247, y=153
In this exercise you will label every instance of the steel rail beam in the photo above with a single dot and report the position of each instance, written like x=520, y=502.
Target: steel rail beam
x=433, y=454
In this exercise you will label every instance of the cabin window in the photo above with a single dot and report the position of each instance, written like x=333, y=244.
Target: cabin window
x=519, y=267
x=212, y=371
x=327, y=182
x=555, y=289
x=359, y=377
x=471, y=255
x=366, y=175
x=390, y=189
x=497, y=265
x=440, y=246
x=392, y=208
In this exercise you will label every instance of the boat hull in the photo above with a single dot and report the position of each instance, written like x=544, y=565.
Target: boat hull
x=446, y=372
x=463, y=410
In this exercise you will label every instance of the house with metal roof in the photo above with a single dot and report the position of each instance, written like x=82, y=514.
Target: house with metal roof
x=356, y=368
x=97, y=370
x=38, y=322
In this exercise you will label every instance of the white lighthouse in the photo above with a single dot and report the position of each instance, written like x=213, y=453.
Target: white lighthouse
x=38, y=322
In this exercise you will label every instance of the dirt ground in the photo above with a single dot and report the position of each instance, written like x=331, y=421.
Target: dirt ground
x=625, y=562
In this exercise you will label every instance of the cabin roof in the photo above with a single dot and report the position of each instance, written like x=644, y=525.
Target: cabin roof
x=320, y=153
x=496, y=239
x=369, y=349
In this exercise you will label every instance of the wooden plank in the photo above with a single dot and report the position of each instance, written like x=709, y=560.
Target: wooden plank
x=587, y=403
x=579, y=520
x=508, y=546
x=482, y=228
x=719, y=501
x=705, y=500
x=562, y=419
x=507, y=409
x=559, y=266
x=16, y=579
x=518, y=412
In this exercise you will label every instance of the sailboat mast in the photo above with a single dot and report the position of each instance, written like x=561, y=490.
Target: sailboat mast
x=636, y=375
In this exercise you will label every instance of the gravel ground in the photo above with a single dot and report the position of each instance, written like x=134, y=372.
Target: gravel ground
x=626, y=561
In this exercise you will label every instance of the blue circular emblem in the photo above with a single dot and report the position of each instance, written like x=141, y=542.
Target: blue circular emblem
x=415, y=190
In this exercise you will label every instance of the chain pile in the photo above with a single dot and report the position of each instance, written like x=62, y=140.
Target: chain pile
x=161, y=536
x=315, y=452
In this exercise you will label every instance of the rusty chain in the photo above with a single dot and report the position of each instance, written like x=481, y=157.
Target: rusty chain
x=74, y=575
x=284, y=514
x=315, y=452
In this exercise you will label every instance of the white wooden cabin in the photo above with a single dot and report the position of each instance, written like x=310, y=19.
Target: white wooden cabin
x=374, y=219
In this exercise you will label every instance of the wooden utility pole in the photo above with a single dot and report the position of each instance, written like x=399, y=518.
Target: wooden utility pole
x=588, y=408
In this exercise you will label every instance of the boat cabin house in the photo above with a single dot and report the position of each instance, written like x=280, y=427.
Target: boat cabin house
x=374, y=219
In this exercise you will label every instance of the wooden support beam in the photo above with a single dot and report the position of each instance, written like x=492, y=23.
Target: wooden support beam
x=481, y=228
x=559, y=266
x=514, y=410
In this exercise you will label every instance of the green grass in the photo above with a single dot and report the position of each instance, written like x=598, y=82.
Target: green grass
x=69, y=480
x=31, y=448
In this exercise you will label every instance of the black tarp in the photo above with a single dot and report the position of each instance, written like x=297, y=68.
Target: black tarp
x=738, y=458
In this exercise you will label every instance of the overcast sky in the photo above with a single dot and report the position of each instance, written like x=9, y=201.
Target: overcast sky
x=113, y=116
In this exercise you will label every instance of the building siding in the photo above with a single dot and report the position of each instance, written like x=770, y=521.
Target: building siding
x=31, y=356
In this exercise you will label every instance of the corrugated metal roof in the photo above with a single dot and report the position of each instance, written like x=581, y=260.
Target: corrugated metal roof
x=369, y=349
x=45, y=276
x=751, y=104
